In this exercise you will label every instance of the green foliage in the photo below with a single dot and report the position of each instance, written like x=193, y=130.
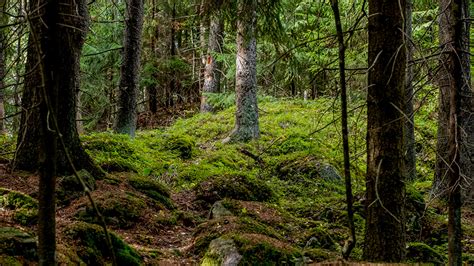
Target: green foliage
x=25, y=207
x=182, y=144
x=92, y=247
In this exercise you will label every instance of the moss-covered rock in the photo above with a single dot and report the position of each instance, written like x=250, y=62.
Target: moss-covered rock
x=119, y=209
x=221, y=251
x=212, y=229
x=14, y=242
x=183, y=145
x=420, y=252
x=264, y=250
x=92, y=245
x=320, y=237
x=25, y=207
x=70, y=188
x=305, y=167
x=241, y=187
x=152, y=188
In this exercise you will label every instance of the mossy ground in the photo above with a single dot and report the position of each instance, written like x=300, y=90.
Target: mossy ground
x=283, y=188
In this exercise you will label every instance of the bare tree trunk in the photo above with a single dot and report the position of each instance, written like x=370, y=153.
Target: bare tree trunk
x=246, y=115
x=212, y=71
x=151, y=89
x=385, y=182
x=126, y=120
x=350, y=243
x=455, y=82
x=3, y=20
x=410, y=155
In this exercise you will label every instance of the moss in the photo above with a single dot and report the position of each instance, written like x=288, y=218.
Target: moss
x=10, y=260
x=69, y=188
x=320, y=237
x=25, y=207
x=122, y=210
x=14, y=242
x=152, y=188
x=182, y=144
x=264, y=250
x=420, y=252
x=92, y=247
x=320, y=254
x=240, y=187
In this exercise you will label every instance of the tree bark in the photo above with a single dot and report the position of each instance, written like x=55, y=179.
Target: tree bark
x=126, y=120
x=350, y=243
x=29, y=141
x=246, y=115
x=212, y=71
x=455, y=22
x=385, y=181
x=455, y=83
x=3, y=6
x=410, y=155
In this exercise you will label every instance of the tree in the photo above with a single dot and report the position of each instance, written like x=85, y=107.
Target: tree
x=246, y=115
x=126, y=120
x=410, y=157
x=455, y=110
x=56, y=37
x=212, y=70
x=385, y=180
x=3, y=21
x=29, y=141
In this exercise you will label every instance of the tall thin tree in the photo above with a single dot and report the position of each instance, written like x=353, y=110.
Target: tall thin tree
x=212, y=70
x=126, y=120
x=455, y=113
x=3, y=21
x=385, y=181
x=246, y=115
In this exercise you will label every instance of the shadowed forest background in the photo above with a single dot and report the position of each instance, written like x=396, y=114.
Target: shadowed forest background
x=236, y=132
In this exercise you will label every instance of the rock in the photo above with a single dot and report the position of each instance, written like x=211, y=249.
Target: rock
x=15, y=242
x=420, y=252
x=25, y=207
x=329, y=173
x=222, y=252
x=69, y=187
x=218, y=210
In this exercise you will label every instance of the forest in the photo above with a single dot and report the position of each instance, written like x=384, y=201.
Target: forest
x=236, y=132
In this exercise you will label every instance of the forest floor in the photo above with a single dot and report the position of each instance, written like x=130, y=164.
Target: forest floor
x=179, y=196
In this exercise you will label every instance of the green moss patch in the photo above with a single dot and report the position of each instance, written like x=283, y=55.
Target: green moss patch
x=183, y=145
x=420, y=252
x=25, y=207
x=151, y=187
x=14, y=242
x=118, y=208
x=70, y=188
x=241, y=187
x=92, y=248
x=264, y=250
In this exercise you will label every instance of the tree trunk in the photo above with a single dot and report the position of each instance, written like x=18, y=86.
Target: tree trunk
x=410, y=155
x=349, y=243
x=212, y=71
x=3, y=19
x=126, y=120
x=455, y=83
x=29, y=141
x=246, y=115
x=151, y=89
x=455, y=22
x=385, y=182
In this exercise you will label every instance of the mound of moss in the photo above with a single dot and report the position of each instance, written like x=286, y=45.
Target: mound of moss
x=119, y=209
x=152, y=188
x=14, y=242
x=420, y=252
x=264, y=250
x=25, y=207
x=183, y=145
x=241, y=187
x=70, y=188
x=92, y=246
